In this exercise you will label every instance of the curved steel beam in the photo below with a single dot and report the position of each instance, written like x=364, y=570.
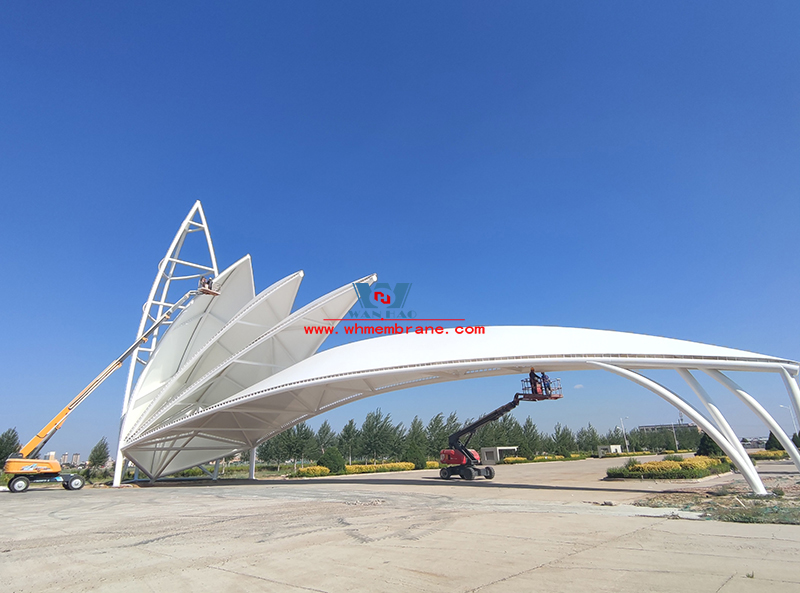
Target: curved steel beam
x=691, y=413
x=793, y=389
x=722, y=423
x=759, y=411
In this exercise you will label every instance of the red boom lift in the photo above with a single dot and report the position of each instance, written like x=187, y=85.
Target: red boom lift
x=462, y=461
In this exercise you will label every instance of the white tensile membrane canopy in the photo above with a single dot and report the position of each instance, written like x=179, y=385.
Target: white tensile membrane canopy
x=237, y=369
x=257, y=341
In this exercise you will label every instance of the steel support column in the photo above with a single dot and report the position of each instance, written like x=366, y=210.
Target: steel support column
x=793, y=389
x=253, y=463
x=691, y=413
x=722, y=423
x=759, y=411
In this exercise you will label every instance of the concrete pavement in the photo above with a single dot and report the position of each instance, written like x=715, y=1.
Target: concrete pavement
x=536, y=527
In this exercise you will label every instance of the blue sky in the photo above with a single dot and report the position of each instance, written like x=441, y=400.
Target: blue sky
x=630, y=166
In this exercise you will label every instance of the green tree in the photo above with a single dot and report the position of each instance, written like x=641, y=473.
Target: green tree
x=333, y=460
x=796, y=440
x=708, y=447
x=437, y=434
x=376, y=434
x=294, y=442
x=415, y=455
x=416, y=435
x=268, y=451
x=397, y=441
x=98, y=457
x=511, y=431
x=349, y=440
x=588, y=439
x=326, y=437
x=9, y=444
x=773, y=444
x=532, y=437
x=563, y=440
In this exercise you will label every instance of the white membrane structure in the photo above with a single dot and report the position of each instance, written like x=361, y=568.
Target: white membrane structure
x=237, y=370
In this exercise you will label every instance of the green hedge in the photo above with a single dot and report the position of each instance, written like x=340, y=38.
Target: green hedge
x=671, y=474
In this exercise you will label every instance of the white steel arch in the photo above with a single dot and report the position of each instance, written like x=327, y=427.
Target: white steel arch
x=354, y=371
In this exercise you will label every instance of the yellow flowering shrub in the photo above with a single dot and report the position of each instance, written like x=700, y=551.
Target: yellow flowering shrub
x=510, y=460
x=656, y=466
x=313, y=471
x=699, y=461
x=399, y=466
x=767, y=455
x=431, y=465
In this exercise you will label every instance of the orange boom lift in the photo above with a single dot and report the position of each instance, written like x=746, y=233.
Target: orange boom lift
x=24, y=467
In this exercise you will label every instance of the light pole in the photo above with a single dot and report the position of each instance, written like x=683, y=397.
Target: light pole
x=791, y=413
x=624, y=435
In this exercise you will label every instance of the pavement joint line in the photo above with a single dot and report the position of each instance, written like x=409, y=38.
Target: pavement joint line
x=728, y=580
x=253, y=576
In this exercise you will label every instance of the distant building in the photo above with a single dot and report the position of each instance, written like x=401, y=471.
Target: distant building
x=51, y=456
x=76, y=459
x=603, y=450
x=64, y=457
x=754, y=442
x=660, y=427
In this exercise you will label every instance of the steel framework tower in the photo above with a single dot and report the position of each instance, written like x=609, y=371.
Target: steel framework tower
x=174, y=278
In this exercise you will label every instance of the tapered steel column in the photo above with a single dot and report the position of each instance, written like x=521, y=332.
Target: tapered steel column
x=722, y=423
x=692, y=413
x=793, y=389
x=253, y=463
x=759, y=411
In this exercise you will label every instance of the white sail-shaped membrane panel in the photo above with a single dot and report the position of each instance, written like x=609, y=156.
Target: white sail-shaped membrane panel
x=195, y=325
x=261, y=314
x=285, y=345
x=361, y=369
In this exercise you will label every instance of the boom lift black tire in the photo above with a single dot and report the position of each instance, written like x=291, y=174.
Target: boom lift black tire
x=488, y=473
x=444, y=473
x=74, y=482
x=19, y=484
x=467, y=473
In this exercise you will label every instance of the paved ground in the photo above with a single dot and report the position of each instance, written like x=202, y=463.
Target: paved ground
x=536, y=527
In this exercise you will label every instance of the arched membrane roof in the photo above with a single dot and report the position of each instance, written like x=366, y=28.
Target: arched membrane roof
x=368, y=367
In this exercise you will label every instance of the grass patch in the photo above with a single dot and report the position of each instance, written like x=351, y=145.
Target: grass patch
x=736, y=503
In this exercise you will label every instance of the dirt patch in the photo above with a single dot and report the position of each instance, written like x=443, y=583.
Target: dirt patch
x=736, y=503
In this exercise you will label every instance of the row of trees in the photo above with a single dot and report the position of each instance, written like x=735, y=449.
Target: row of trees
x=379, y=437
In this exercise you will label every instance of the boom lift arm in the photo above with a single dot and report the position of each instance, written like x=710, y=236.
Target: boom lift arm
x=33, y=447
x=454, y=442
x=464, y=459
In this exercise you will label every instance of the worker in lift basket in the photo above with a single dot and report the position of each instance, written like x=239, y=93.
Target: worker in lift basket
x=546, y=383
x=536, y=386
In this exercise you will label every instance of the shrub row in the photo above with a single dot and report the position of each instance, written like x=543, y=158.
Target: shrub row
x=767, y=455
x=695, y=467
x=400, y=466
x=631, y=454
x=432, y=465
x=313, y=471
